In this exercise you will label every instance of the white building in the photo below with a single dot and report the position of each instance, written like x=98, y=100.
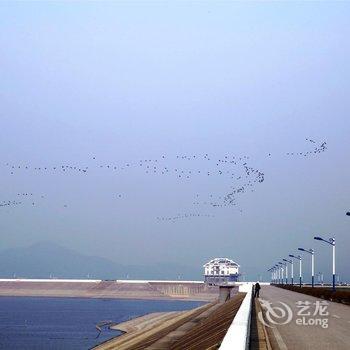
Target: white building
x=221, y=270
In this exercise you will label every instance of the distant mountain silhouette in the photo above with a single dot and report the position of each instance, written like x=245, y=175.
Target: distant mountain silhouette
x=46, y=259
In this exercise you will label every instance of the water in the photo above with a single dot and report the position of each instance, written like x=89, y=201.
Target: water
x=36, y=323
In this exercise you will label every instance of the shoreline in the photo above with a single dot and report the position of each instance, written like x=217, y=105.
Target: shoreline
x=104, y=298
x=150, y=323
x=136, y=290
x=206, y=324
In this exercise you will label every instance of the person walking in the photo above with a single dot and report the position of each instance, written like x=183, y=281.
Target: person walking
x=257, y=290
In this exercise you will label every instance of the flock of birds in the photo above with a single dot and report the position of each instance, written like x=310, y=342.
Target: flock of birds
x=22, y=198
x=184, y=216
x=9, y=203
x=317, y=149
x=63, y=168
x=239, y=175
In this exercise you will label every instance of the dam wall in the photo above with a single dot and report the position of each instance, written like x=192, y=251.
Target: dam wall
x=179, y=290
x=124, y=289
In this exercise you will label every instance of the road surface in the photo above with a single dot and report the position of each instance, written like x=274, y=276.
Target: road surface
x=302, y=332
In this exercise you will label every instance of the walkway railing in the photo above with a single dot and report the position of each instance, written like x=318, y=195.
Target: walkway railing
x=237, y=336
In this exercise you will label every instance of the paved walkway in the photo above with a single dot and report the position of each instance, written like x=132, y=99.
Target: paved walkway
x=293, y=336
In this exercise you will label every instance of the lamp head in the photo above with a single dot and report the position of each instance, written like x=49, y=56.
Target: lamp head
x=318, y=238
x=302, y=249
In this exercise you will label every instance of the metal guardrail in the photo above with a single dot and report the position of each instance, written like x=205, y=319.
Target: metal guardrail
x=238, y=334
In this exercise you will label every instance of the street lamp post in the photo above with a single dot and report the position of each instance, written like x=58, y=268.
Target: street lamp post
x=286, y=273
x=292, y=272
x=271, y=270
x=330, y=241
x=320, y=278
x=279, y=273
x=285, y=264
x=300, y=268
x=312, y=252
x=272, y=275
x=282, y=270
x=276, y=274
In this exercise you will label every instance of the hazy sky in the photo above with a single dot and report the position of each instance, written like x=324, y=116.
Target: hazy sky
x=128, y=81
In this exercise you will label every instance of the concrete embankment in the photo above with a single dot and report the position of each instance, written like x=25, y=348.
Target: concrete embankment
x=198, y=329
x=145, y=322
x=184, y=290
